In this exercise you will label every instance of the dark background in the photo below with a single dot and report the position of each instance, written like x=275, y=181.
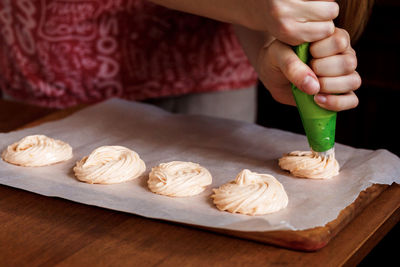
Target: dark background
x=374, y=124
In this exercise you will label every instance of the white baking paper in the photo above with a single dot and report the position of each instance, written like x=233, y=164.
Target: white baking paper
x=224, y=147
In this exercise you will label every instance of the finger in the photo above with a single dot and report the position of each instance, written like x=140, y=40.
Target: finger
x=296, y=71
x=334, y=66
x=337, y=102
x=314, y=31
x=341, y=84
x=318, y=10
x=336, y=43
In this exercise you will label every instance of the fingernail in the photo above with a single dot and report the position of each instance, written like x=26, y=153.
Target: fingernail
x=320, y=99
x=310, y=85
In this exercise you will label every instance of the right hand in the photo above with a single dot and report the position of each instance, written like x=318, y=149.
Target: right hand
x=291, y=21
x=331, y=76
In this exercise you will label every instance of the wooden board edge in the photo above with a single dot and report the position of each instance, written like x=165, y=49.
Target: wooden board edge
x=304, y=240
x=315, y=238
x=57, y=115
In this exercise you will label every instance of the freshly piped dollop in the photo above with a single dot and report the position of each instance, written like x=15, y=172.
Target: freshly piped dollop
x=36, y=151
x=109, y=165
x=252, y=194
x=308, y=164
x=179, y=179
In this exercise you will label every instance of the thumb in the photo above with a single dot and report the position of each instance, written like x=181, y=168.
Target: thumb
x=296, y=71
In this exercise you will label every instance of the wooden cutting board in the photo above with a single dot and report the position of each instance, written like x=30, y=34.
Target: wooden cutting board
x=304, y=240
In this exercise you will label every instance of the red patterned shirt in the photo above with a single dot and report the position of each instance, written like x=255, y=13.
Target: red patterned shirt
x=59, y=53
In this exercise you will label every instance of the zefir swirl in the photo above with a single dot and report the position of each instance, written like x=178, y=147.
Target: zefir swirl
x=109, y=165
x=37, y=150
x=308, y=164
x=179, y=179
x=252, y=194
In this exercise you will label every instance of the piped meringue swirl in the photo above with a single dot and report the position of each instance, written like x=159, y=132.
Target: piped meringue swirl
x=109, y=165
x=36, y=151
x=252, y=194
x=179, y=179
x=308, y=164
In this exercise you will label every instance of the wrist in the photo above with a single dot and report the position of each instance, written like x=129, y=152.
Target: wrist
x=252, y=42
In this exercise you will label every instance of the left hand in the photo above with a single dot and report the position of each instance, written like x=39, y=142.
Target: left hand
x=331, y=76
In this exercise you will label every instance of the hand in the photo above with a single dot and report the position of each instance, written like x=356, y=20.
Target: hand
x=292, y=21
x=331, y=76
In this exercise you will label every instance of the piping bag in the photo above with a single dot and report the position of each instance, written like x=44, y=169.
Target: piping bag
x=319, y=123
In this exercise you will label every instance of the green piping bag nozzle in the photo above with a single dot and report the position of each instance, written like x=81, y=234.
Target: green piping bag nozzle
x=319, y=123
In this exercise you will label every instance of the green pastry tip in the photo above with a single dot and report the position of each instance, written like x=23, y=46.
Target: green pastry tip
x=319, y=123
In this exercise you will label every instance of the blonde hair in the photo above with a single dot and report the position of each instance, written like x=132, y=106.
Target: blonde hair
x=353, y=16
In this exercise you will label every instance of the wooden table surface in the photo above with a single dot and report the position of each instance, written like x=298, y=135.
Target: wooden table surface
x=38, y=230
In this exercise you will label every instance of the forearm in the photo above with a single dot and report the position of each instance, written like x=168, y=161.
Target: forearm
x=230, y=11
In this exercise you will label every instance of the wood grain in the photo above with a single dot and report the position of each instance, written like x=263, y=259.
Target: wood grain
x=20, y=113
x=37, y=230
x=50, y=231
x=318, y=237
x=306, y=240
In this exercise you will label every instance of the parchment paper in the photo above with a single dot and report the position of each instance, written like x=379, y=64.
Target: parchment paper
x=224, y=147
